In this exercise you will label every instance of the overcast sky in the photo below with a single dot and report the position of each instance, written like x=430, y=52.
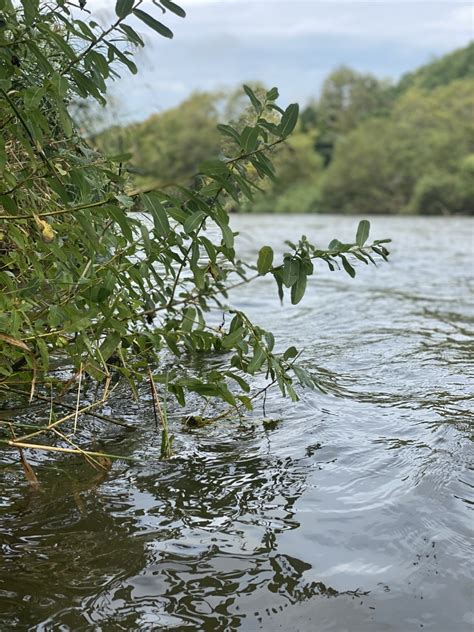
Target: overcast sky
x=292, y=44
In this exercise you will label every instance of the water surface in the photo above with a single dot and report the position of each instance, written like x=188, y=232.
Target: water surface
x=350, y=510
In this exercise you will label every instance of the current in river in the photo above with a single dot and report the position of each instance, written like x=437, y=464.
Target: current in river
x=350, y=510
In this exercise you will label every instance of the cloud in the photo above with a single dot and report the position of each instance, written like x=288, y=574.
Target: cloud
x=415, y=23
x=293, y=44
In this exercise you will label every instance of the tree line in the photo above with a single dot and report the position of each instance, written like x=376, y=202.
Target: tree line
x=365, y=145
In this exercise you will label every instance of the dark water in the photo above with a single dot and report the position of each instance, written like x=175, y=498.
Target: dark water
x=347, y=511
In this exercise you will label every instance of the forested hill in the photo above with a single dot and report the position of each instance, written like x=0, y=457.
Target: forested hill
x=365, y=145
x=456, y=65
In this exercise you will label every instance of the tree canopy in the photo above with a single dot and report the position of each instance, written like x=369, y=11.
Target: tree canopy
x=364, y=146
x=390, y=165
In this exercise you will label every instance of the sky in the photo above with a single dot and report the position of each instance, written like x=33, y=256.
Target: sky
x=292, y=44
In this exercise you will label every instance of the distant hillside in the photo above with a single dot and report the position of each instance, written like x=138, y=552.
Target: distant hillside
x=364, y=146
x=456, y=65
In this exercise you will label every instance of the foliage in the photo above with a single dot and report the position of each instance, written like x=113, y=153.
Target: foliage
x=295, y=190
x=386, y=166
x=390, y=142
x=450, y=67
x=347, y=99
x=110, y=282
x=441, y=193
x=168, y=147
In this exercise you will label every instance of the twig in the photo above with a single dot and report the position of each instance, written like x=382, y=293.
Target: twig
x=53, y=448
x=78, y=398
x=117, y=422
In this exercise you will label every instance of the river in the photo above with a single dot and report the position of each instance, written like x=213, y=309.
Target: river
x=350, y=510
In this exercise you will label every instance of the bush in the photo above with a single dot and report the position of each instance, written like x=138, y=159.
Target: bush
x=440, y=193
x=105, y=281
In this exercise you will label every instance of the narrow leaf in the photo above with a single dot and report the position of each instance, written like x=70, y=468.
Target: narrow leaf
x=153, y=24
x=253, y=98
x=299, y=288
x=160, y=218
x=249, y=138
x=289, y=120
x=291, y=271
x=230, y=340
x=362, y=232
x=347, y=267
x=193, y=221
x=123, y=8
x=174, y=8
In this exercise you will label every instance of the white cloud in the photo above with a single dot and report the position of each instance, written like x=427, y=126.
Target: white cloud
x=411, y=21
x=290, y=43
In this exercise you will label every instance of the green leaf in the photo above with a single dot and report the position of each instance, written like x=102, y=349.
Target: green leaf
x=109, y=345
x=146, y=239
x=246, y=401
x=304, y=377
x=240, y=381
x=122, y=220
x=189, y=316
x=123, y=58
x=160, y=219
x=270, y=340
x=199, y=276
x=210, y=248
x=265, y=259
x=86, y=86
x=132, y=35
x=177, y=213
x=362, y=232
x=257, y=361
x=153, y=24
x=124, y=7
x=253, y=98
x=299, y=288
x=272, y=94
x=65, y=119
x=193, y=221
x=3, y=155
x=31, y=9
x=347, y=267
x=278, y=276
x=227, y=130
x=60, y=84
x=337, y=246
x=230, y=340
x=43, y=349
x=290, y=353
x=288, y=120
x=174, y=8
x=291, y=271
x=249, y=138
x=227, y=235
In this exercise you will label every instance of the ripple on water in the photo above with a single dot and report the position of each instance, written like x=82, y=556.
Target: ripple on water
x=350, y=511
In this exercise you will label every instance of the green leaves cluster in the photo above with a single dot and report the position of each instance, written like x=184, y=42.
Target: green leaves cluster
x=298, y=265
x=105, y=279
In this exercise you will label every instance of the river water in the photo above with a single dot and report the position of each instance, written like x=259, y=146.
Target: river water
x=348, y=511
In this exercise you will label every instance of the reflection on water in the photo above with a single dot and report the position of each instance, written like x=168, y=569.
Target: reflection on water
x=348, y=511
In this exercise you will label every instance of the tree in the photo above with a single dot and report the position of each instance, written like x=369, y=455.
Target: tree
x=107, y=281
x=296, y=188
x=440, y=72
x=347, y=99
x=378, y=167
x=168, y=147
